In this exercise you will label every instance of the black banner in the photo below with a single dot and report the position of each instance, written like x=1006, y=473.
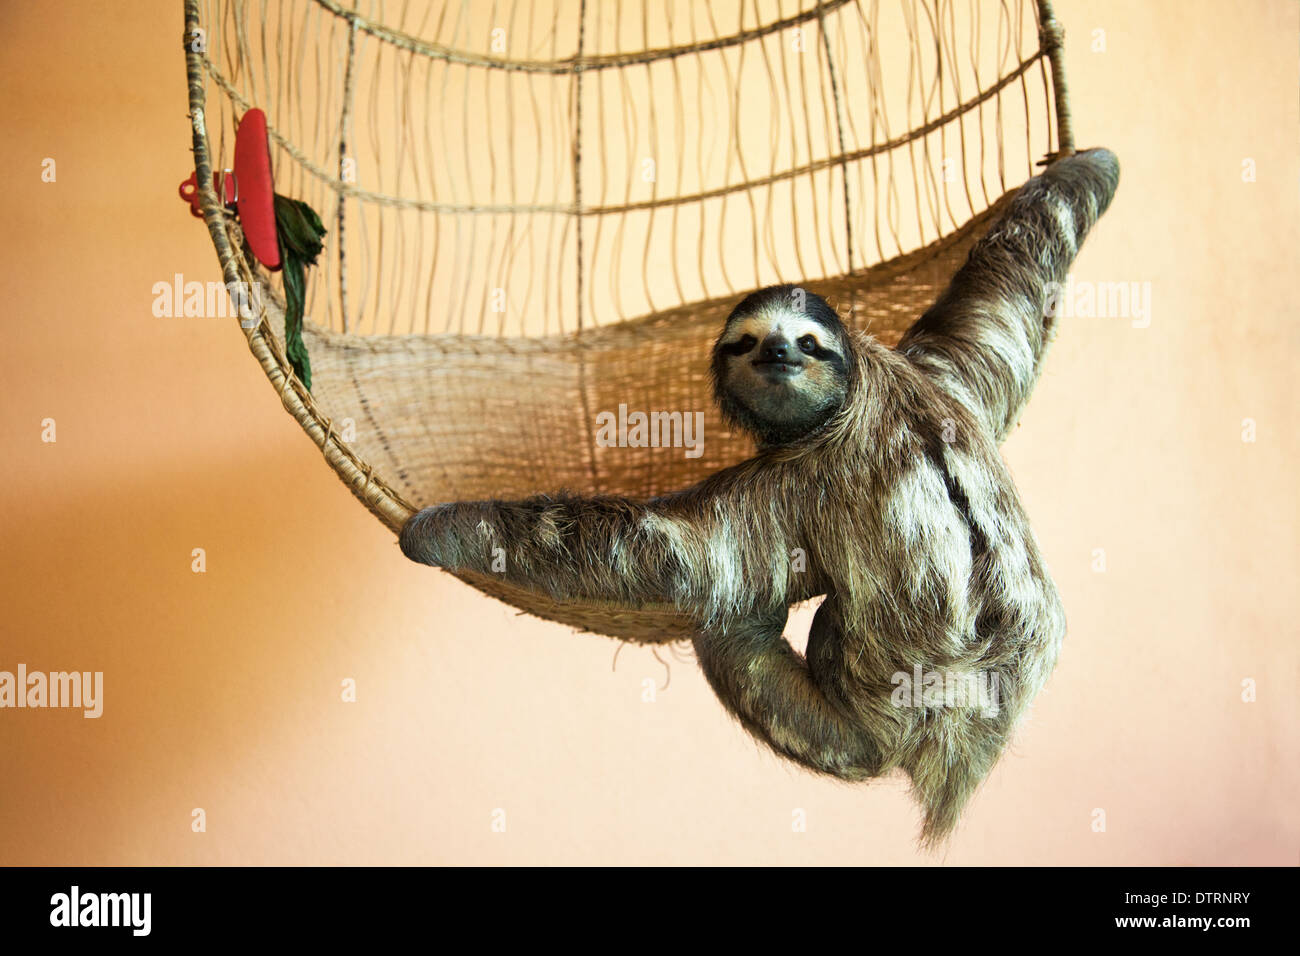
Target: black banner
x=926, y=906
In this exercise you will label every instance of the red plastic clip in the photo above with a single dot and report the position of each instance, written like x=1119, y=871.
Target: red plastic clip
x=189, y=190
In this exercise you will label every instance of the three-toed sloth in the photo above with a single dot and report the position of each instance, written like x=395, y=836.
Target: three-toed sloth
x=877, y=482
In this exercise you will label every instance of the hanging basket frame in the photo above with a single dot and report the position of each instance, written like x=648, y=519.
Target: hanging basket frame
x=651, y=624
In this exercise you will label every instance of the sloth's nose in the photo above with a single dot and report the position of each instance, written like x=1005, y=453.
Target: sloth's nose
x=775, y=349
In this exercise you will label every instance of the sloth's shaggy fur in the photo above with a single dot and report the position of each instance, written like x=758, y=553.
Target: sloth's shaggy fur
x=878, y=482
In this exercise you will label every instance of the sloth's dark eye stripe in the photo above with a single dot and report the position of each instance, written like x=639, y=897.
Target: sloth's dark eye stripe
x=739, y=347
x=823, y=354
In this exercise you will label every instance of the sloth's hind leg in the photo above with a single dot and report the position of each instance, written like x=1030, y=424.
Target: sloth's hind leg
x=770, y=689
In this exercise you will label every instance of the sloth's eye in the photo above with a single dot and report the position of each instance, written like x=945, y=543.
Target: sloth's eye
x=741, y=346
x=807, y=344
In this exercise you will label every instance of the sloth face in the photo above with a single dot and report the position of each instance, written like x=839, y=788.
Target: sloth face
x=780, y=367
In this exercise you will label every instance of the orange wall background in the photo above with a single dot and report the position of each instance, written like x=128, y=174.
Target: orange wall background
x=222, y=689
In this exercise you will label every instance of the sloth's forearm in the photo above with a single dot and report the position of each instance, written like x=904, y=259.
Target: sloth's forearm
x=988, y=331
x=567, y=547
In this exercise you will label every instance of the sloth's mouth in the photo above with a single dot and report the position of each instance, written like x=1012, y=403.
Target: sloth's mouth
x=778, y=369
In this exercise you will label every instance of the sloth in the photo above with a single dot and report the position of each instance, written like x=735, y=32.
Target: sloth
x=878, y=483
